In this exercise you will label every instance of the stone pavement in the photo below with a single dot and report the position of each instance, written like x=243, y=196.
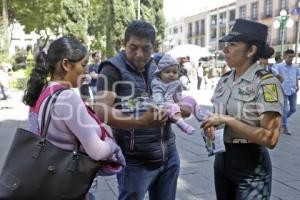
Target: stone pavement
x=196, y=176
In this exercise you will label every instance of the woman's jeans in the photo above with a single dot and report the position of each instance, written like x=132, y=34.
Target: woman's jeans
x=135, y=181
x=289, y=108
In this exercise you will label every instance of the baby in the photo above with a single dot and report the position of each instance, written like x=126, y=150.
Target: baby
x=167, y=92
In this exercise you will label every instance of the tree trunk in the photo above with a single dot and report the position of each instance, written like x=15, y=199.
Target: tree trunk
x=109, y=28
x=6, y=38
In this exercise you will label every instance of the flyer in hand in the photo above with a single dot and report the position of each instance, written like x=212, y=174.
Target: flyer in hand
x=217, y=145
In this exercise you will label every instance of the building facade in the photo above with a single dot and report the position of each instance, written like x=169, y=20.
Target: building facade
x=175, y=34
x=208, y=26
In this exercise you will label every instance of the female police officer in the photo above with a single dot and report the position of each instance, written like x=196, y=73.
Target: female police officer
x=249, y=101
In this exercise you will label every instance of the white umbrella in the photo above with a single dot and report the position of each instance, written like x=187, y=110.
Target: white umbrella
x=193, y=51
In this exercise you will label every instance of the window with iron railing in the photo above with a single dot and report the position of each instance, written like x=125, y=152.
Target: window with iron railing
x=202, y=30
x=213, y=33
x=213, y=20
x=232, y=15
x=283, y=5
x=190, y=30
x=243, y=12
x=254, y=11
x=175, y=30
x=222, y=18
x=197, y=27
x=268, y=8
x=222, y=31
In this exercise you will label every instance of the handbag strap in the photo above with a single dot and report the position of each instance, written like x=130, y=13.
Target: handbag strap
x=44, y=127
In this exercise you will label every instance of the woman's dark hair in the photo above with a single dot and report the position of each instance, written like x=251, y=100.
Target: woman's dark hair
x=45, y=65
x=263, y=50
x=140, y=29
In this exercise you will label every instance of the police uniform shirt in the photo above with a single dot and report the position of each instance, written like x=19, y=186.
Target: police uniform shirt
x=255, y=92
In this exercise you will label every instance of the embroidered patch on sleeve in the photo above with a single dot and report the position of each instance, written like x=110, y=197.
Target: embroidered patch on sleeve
x=270, y=93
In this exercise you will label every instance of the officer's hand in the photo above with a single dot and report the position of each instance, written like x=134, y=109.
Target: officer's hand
x=213, y=120
x=210, y=132
x=154, y=117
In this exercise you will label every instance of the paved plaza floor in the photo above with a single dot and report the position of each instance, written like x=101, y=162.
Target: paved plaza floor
x=196, y=175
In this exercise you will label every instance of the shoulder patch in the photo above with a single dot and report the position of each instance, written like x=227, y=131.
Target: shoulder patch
x=270, y=93
x=264, y=74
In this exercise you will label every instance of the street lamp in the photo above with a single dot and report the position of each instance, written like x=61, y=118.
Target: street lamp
x=298, y=31
x=283, y=21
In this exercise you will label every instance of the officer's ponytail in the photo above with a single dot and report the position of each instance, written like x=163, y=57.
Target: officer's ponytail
x=266, y=52
x=263, y=50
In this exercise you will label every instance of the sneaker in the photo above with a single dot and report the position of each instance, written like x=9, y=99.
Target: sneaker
x=285, y=131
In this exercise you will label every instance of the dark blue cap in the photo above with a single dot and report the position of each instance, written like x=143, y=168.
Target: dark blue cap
x=247, y=31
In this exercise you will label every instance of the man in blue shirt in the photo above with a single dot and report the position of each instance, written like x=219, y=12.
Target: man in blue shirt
x=290, y=73
x=93, y=71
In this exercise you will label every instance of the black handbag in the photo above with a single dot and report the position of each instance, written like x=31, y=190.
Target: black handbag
x=35, y=169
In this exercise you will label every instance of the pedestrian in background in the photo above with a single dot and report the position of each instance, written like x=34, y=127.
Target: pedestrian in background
x=278, y=59
x=93, y=71
x=147, y=142
x=199, y=74
x=249, y=101
x=4, y=89
x=290, y=73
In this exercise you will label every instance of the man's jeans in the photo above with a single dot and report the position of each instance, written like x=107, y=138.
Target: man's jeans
x=135, y=181
x=290, y=103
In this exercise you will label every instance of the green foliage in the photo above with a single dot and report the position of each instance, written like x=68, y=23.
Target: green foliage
x=121, y=20
x=152, y=12
x=102, y=21
x=37, y=15
x=68, y=17
x=75, y=18
x=4, y=57
x=96, y=25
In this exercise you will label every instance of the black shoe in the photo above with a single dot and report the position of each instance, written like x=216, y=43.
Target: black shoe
x=286, y=131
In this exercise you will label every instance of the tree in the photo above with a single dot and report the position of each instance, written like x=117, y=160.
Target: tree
x=96, y=25
x=68, y=17
x=108, y=23
x=4, y=30
x=152, y=11
x=121, y=20
x=74, y=19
